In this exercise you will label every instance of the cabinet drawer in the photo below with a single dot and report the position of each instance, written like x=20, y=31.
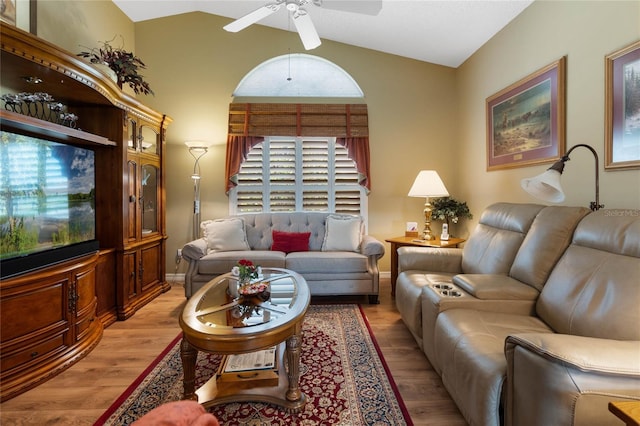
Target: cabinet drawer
x=18, y=314
x=85, y=322
x=26, y=355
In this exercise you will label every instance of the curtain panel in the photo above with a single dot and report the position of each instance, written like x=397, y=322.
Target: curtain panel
x=250, y=123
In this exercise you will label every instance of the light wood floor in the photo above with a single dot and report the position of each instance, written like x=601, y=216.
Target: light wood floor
x=79, y=395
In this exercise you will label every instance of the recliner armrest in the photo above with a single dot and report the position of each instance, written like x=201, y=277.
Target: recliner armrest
x=194, y=250
x=566, y=379
x=495, y=287
x=430, y=259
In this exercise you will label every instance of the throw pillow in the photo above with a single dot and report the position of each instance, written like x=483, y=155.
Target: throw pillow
x=342, y=233
x=225, y=234
x=290, y=241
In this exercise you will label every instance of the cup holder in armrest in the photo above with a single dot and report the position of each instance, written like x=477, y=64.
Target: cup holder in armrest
x=443, y=286
x=450, y=293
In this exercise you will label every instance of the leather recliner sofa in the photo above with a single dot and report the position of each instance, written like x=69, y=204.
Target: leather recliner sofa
x=536, y=321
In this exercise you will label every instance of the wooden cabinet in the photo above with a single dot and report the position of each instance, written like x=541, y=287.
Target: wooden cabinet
x=142, y=263
x=48, y=322
x=53, y=316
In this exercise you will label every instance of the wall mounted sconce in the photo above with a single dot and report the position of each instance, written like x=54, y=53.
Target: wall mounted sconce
x=197, y=149
x=546, y=186
x=428, y=184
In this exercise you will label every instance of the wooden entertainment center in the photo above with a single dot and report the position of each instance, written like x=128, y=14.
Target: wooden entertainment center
x=53, y=316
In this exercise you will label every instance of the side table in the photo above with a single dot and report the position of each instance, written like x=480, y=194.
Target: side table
x=415, y=242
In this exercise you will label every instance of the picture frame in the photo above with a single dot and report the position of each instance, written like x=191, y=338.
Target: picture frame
x=622, y=108
x=19, y=13
x=526, y=121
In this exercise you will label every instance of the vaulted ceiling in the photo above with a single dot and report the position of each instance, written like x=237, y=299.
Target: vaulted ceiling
x=444, y=32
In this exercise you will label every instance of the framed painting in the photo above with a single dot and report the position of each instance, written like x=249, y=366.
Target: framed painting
x=20, y=13
x=622, y=108
x=526, y=121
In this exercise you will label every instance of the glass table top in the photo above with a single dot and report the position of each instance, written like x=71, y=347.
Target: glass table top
x=218, y=306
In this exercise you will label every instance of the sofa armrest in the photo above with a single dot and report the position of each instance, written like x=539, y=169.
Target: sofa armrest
x=495, y=287
x=194, y=250
x=370, y=246
x=430, y=259
x=565, y=379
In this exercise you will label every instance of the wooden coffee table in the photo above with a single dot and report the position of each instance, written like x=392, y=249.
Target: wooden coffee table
x=216, y=322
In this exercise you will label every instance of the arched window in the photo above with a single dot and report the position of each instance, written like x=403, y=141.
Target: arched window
x=298, y=157
x=298, y=75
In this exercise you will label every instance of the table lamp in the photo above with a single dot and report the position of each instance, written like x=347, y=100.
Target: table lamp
x=428, y=184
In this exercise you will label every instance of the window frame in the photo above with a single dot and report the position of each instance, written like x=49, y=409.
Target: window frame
x=331, y=186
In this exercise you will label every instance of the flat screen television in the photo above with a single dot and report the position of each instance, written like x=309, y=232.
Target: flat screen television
x=47, y=202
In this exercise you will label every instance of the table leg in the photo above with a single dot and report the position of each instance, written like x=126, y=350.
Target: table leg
x=188, y=354
x=394, y=268
x=292, y=352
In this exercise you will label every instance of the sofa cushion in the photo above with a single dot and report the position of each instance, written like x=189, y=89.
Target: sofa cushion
x=343, y=233
x=323, y=261
x=493, y=245
x=290, y=241
x=225, y=234
x=593, y=290
x=470, y=352
x=216, y=263
x=549, y=236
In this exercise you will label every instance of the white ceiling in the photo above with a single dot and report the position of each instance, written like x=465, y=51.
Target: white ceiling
x=444, y=32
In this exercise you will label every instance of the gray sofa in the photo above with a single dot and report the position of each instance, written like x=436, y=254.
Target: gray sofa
x=341, y=260
x=536, y=321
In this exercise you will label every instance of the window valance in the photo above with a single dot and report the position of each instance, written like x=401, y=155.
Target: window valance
x=333, y=120
x=249, y=123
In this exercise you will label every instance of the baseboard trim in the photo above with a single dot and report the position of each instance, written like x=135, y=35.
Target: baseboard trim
x=174, y=277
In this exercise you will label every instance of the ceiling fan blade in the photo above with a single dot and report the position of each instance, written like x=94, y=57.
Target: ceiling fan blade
x=306, y=29
x=253, y=17
x=365, y=7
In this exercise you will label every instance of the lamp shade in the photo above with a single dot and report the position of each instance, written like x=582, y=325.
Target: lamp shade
x=546, y=186
x=428, y=184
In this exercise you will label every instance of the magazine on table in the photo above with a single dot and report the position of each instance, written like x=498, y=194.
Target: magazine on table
x=260, y=360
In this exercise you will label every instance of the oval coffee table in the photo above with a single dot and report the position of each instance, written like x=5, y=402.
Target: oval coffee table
x=215, y=321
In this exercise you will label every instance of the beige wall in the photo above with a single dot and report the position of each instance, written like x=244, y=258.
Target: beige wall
x=422, y=116
x=195, y=67
x=78, y=25
x=584, y=32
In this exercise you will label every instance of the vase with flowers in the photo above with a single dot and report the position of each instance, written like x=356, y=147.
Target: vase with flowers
x=246, y=271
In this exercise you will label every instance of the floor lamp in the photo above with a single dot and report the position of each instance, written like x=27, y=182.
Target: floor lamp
x=197, y=149
x=546, y=186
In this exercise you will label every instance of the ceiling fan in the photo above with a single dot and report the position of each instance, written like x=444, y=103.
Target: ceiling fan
x=301, y=19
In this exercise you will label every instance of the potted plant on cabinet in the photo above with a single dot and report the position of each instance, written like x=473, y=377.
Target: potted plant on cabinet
x=124, y=64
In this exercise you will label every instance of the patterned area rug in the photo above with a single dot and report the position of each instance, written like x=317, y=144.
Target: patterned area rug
x=343, y=375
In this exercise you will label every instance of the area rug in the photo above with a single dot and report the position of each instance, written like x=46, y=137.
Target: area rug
x=343, y=375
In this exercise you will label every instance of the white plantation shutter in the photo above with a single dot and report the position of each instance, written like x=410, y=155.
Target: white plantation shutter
x=298, y=174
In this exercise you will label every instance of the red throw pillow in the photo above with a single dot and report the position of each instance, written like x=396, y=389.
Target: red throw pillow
x=290, y=241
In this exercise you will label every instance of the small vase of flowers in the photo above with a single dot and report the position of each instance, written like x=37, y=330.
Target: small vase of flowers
x=246, y=271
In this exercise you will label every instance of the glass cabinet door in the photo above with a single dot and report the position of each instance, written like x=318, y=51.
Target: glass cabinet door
x=148, y=140
x=149, y=206
x=131, y=138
